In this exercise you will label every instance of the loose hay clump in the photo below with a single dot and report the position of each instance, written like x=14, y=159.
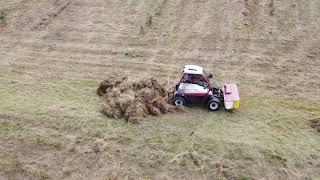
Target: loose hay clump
x=134, y=100
x=315, y=123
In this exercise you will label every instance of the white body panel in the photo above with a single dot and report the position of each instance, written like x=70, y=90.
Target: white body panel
x=187, y=88
x=228, y=105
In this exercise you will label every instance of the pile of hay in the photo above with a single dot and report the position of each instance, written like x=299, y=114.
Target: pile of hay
x=134, y=100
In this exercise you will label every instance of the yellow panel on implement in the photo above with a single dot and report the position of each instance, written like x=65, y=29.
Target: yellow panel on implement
x=236, y=104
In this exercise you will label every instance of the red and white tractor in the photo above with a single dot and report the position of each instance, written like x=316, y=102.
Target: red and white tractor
x=195, y=88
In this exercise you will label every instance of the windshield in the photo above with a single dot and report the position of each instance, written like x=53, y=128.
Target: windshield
x=205, y=74
x=195, y=79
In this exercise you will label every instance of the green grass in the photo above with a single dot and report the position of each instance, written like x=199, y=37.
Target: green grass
x=3, y=16
x=149, y=20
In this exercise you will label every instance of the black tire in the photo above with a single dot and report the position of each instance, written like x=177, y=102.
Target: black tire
x=213, y=105
x=179, y=101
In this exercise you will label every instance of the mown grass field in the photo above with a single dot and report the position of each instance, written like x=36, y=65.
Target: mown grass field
x=267, y=137
x=51, y=126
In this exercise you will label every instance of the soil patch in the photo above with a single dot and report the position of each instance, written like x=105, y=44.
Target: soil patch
x=315, y=123
x=134, y=100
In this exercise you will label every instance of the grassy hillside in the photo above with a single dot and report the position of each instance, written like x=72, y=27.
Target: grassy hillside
x=53, y=54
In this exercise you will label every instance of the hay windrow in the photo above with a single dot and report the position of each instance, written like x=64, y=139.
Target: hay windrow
x=134, y=100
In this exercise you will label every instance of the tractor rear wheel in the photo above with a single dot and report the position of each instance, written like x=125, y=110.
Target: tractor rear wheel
x=179, y=101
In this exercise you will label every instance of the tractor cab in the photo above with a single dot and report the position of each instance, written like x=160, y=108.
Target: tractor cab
x=194, y=82
x=195, y=88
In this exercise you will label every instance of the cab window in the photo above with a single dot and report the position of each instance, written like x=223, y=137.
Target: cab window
x=197, y=79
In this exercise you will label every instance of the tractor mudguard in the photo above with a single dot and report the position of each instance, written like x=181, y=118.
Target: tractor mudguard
x=212, y=98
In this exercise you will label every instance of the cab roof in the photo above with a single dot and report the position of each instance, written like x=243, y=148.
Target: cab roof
x=192, y=69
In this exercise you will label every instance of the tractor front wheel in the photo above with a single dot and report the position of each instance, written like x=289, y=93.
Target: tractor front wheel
x=213, y=105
